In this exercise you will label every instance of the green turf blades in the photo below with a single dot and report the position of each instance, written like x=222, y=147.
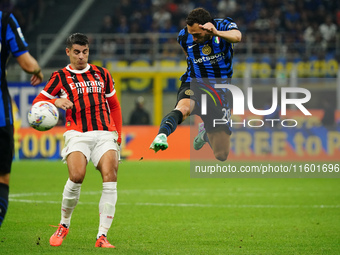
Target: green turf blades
x=160, y=210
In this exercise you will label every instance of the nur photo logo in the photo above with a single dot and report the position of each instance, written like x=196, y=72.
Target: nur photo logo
x=239, y=106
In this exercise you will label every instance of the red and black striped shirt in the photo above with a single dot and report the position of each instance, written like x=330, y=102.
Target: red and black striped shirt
x=92, y=93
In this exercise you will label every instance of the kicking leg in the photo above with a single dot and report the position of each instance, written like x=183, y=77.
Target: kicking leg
x=170, y=122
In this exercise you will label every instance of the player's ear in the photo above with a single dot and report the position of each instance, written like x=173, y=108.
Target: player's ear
x=67, y=51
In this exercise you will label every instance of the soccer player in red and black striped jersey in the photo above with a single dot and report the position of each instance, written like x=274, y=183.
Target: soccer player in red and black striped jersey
x=93, y=123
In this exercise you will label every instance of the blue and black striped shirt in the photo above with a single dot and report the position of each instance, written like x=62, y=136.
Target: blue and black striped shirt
x=15, y=44
x=209, y=60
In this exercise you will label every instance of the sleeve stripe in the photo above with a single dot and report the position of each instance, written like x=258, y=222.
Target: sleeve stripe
x=111, y=94
x=47, y=94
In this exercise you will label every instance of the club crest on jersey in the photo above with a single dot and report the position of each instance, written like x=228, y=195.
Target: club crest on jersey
x=189, y=92
x=96, y=76
x=206, y=50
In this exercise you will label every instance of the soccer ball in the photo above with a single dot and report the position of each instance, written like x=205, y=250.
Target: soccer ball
x=43, y=116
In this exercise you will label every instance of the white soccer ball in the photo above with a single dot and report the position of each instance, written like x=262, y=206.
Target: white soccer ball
x=43, y=116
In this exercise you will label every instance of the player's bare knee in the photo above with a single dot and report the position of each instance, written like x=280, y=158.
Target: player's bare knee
x=77, y=178
x=185, y=110
x=109, y=176
x=221, y=155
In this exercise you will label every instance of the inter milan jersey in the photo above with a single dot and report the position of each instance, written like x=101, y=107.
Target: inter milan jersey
x=209, y=60
x=88, y=90
x=15, y=44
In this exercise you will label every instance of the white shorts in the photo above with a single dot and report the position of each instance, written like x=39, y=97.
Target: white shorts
x=93, y=144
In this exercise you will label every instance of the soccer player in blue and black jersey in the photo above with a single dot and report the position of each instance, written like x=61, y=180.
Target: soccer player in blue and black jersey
x=208, y=46
x=12, y=42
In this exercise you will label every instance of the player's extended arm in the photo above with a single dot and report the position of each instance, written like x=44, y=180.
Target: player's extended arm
x=62, y=103
x=31, y=66
x=232, y=36
x=116, y=115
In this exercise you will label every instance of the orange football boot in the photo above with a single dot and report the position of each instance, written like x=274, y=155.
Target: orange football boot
x=58, y=237
x=103, y=242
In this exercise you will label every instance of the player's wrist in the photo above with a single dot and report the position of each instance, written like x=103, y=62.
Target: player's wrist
x=35, y=71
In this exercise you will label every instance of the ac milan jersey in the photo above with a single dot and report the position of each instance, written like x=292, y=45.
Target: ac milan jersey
x=88, y=90
x=209, y=60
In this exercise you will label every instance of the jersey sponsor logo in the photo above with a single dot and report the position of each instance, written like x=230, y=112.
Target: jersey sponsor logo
x=206, y=50
x=189, y=92
x=87, y=86
x=213, y=59
x=232, y=25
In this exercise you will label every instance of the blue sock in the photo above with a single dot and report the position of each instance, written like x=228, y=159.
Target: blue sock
x=4, y=189
x=170, y=122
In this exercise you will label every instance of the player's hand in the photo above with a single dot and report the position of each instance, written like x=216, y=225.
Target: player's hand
x=37, y=78
x=63, y=103
x=209, y=27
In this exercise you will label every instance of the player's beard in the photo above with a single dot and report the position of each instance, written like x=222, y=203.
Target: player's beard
x=204, y=39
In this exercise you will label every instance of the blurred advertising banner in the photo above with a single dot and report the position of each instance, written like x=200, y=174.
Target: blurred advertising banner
x=314, y=144
x=33, y=144
x=253, y=144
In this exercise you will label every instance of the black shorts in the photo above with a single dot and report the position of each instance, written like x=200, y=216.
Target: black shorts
x=218, y=110
x=6, y=149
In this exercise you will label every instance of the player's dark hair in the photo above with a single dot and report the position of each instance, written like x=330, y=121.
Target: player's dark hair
x=76, y=38
x=198, y=15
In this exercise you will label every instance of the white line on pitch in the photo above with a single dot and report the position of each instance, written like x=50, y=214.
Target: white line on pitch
x=166, y=192
x=183, y=205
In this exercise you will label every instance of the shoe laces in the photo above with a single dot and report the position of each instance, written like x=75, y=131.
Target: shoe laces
x=104, y=239
x=61, y=230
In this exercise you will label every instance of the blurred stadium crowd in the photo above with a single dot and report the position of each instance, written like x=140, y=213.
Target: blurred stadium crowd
x=312, y=22
x=27, y=12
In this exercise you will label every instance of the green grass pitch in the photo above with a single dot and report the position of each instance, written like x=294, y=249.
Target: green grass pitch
x=161, y=210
